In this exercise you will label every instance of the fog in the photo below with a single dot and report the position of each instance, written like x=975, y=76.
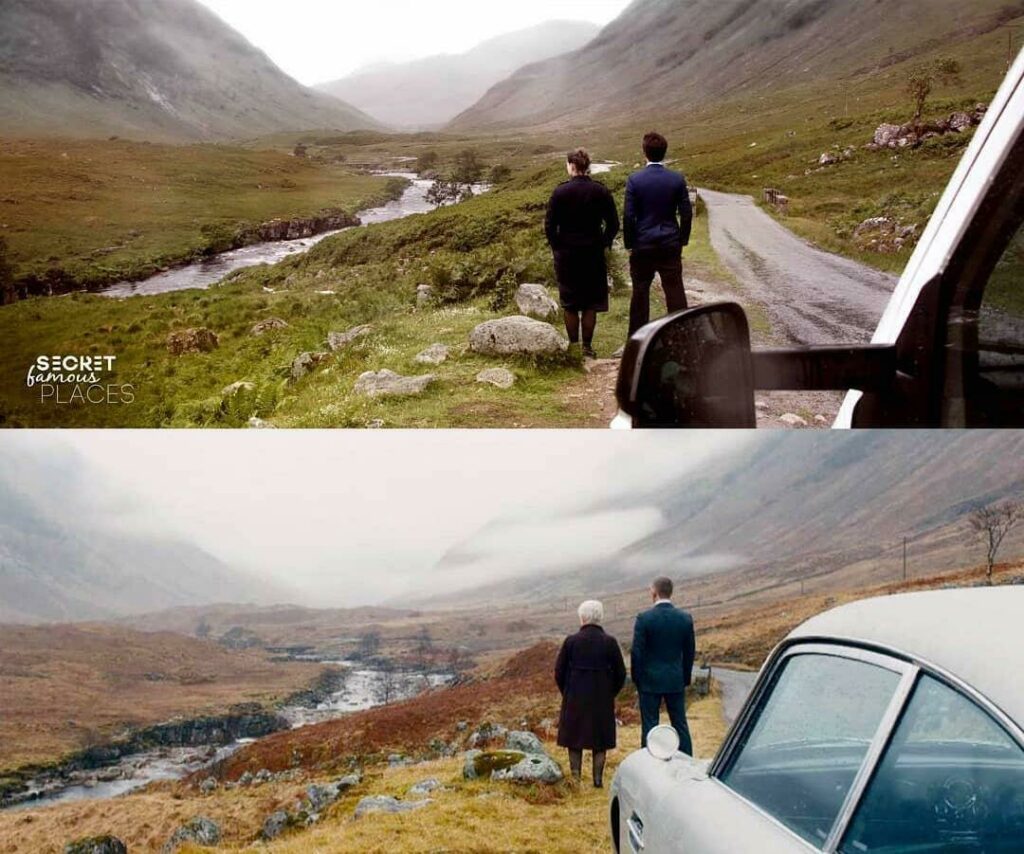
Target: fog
x=316, y=41
x=362, y=518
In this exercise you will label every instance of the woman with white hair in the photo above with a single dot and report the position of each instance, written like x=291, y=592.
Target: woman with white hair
x=590, y=674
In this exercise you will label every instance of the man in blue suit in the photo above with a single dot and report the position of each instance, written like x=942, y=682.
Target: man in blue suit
x=662, y=662
x=658, y=222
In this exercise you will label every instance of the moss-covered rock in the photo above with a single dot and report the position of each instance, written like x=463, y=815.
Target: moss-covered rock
x=96, y=845
x=481, y=764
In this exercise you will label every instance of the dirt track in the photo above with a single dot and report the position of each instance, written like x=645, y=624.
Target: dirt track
x=811, y=296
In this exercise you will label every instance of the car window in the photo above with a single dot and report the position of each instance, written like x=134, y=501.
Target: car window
x=996, y=379
x=951, y=780
x=809, y=736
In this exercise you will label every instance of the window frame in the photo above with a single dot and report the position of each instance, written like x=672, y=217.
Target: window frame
x=910, y=669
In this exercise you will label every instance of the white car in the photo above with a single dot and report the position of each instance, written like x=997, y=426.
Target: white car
x=890, y=725
x=949, y=351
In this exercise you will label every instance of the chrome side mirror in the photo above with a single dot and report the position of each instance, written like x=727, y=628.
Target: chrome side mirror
x=693, y=369
x=663, y=743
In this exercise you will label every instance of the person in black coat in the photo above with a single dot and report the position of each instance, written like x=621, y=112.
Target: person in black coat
x=590, y=673
x=661, y=663
x=582, y=223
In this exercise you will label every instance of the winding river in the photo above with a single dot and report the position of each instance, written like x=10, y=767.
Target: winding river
x=209, y=271
x=362, y=689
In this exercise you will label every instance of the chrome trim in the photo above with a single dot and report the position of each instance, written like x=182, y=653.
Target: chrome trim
x=879, y=745
x=636, y=834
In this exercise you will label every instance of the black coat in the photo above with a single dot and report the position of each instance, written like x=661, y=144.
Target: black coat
x=664, y=647
x=590, y=674
x=582, y=222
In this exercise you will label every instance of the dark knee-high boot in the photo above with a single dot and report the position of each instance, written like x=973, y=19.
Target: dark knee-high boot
x=599, y=759
x=576, y=764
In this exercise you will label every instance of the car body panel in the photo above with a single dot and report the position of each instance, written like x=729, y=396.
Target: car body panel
x=960, y=636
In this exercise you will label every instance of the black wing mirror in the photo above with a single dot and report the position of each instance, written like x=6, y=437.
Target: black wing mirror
x=693, y=369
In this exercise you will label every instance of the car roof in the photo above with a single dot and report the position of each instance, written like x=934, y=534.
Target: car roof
x=975, y=634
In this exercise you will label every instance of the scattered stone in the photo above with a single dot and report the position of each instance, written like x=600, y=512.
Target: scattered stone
x=385, y=804
x=462, y=726
x=246, y=779
x=389, y=384
x=531, y=769
x=820, y=419
x=884, y=235
x=435, y=354
x=534, y=301
x=500, y=377
x=97, y=845
x=424, y=296
x=319, y=797
x=305, y=364
x=340, y=340
x=425, y=787
x=828, y=159
x=517, y=336
x=271, y=324
x=376, y=424
x=482, y=764
x=525, y=742
x=263, y=776
x=259, y=424
x=349, y=781
x=790, y=419
x=238, y=388
x=188, y=341
x=276, y=824
x=487, y=733
x=209, y=786
x=397, y=760
x=198, y=831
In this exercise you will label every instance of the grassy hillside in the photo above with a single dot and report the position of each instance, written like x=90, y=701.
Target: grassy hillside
x=92, y=213
x=146, y=69
x=473, y=255
x=64, y=688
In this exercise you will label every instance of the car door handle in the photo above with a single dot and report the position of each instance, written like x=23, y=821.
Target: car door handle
x=636, y=833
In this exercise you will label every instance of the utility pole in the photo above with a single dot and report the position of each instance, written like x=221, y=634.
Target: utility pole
x=904, y=559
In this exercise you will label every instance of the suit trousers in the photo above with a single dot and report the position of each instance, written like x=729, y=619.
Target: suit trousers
x=650, y=714
x=666, y=262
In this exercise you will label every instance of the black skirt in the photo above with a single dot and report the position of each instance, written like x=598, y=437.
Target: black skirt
x=582, y=279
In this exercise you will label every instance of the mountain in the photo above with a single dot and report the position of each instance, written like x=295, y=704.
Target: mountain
x=167, y=70
x=789, y=506
x=62, y=562
x=428, y=93
x=666, y=56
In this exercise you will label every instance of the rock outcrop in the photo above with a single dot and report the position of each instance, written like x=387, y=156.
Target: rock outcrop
x=306, y=363
x=500, y=377
x=385, y=804
x=340, y=340
x=389, y=384
x=271, y=324
x=517, y=336
x=435, y=354
x=198, y=831
x=187, y=341
x=96, y=845
x=531, y=769
x=534, y=301
x=912, y=134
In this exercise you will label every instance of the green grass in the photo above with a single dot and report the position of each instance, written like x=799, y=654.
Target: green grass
x=473, y=254
x=97, y=212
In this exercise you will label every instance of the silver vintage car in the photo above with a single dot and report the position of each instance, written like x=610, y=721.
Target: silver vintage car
x=888, y=725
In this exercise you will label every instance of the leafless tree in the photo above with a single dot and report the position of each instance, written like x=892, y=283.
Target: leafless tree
x=991, y=524
x=387, y=687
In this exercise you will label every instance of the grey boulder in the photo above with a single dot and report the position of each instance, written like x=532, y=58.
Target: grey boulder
x=517, y=336
x=435, y=354
x=389, y=384
x=271, y=324
x=198, y=831
x=425, y=787
x=97, y=845
x=385, y=804
x=526, y=742
x=499, y=377
x=534, y=301
x=532, y=769
x=276, y=824
x=306, y=363
x=340, y=340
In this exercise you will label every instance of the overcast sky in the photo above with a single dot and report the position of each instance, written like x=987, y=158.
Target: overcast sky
x=357, y=518
x=321, y=40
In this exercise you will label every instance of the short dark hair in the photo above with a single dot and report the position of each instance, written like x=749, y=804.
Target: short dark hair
x=655, y=147
x=663, y=587
x=580, y=158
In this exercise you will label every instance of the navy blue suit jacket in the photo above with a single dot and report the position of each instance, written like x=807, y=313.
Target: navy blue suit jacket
x=658, y=211
x=664, y=646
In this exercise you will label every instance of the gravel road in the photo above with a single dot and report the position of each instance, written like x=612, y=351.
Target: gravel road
x=811, y=296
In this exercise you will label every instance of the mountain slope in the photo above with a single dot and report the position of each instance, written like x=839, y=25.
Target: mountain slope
x=430, y=92
x=155, y=69
x=64, y=563
x=663, y=56
x=793, y=505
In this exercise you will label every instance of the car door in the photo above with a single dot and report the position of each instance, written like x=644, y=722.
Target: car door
x=817, y=719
